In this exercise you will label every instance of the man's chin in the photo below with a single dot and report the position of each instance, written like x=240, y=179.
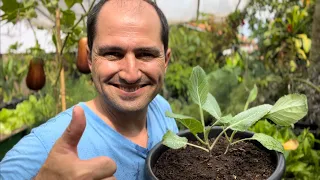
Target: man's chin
x=131, y=108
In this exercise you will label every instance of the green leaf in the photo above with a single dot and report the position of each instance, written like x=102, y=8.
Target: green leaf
x=70, y=3
x=268, y=142
x=54, y=40
x=191, y=123
x=68, y=18
x=298, y=43
x=302, y=54
x=212, y=107
x=8, y=6
x=293, y=65
x=288, y=109
x=245, y=119
x=306, y=45
x=198, y=88
x=267, y=42
x=253, y=94
x=315, y=157
x=306, y=42
x=174, y=141
x=226, y=119
x=297, y=167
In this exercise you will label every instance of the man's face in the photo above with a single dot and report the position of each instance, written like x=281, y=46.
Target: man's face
x=128, y=61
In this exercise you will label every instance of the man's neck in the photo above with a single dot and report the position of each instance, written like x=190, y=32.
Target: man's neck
x=131, y=125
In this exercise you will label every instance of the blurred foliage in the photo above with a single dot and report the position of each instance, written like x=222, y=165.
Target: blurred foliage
x=189, y=48
x=72, y=27
x=30, y=113
x=283, y=36
x=35, y=111
x=13, y=70
x=79, y=90
x=302, y=163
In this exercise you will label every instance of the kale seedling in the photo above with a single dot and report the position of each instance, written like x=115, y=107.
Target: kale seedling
x=285, y=112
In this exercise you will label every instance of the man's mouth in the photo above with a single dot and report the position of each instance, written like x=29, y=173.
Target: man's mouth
x=132, y=88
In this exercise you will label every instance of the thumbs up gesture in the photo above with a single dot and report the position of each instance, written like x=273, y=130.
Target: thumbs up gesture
x=63, y=161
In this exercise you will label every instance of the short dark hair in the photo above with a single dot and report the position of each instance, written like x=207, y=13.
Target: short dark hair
x=92, y=21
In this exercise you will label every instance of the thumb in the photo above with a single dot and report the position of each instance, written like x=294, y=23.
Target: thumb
x=74, y=131
x=100, y=167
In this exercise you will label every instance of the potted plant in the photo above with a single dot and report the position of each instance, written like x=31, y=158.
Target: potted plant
x=224, y=150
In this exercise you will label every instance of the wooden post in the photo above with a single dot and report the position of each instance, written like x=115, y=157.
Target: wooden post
x=59, y=59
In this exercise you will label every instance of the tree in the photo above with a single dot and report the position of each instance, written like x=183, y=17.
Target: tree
x=66, y=31
x=315, y=57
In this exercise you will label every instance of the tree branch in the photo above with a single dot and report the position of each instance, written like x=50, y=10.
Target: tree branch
x=46, y=15
x=84, y=9
x=308, y=83
x=34, y=32
x=75, y=25
x=237, y=5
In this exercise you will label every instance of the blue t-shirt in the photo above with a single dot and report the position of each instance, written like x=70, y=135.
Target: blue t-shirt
x=25, y=159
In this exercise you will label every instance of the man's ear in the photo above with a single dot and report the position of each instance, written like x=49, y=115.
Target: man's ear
x=89, y=59
x=167, y=58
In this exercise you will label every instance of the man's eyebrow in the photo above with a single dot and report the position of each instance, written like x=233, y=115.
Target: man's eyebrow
x=153, y=50
x=106, y=48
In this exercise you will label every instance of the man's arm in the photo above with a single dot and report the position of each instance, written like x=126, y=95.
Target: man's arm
x=24, y=160
x=27, y=160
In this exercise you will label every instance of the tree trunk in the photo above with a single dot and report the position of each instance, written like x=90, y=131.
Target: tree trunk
x=315, y=49
x=58, y=56
x=314, y=73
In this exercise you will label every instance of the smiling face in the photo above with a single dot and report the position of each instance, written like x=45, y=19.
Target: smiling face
x=128, y=61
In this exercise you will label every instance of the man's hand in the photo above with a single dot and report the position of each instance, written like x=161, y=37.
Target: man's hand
x=63, y=161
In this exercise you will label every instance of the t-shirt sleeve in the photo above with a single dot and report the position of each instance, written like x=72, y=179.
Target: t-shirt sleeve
x=24, y=160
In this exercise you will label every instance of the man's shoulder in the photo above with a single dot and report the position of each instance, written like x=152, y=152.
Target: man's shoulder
x=51, y=130
x=57, y=122
x=157, y=110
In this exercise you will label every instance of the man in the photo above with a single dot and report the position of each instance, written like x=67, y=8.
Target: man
x=110, y=136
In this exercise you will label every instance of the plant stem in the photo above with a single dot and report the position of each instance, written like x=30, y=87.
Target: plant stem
x=44, y=14
x=245, y=139
x=217, y=138
x=200, y=140
x=34, y=33
x=246, y=105
x=206, y=140
x=215, y=123
x=84, y=9
x=225, y=133
x=230, y=141
x=198, y=147
x=202, y=118
x=232, y=135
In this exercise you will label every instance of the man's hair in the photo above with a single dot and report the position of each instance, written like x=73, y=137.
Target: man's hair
x=92, y=22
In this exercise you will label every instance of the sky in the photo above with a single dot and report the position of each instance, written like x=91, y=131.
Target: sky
x=176, y=11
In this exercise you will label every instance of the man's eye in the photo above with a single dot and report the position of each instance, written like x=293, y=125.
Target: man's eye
x=113, y=55
x=145, y=55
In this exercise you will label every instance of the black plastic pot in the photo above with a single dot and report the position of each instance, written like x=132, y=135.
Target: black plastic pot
x=156, y=152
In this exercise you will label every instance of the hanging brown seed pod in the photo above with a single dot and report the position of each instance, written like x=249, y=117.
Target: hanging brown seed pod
x=36, y=77
x=82, y=63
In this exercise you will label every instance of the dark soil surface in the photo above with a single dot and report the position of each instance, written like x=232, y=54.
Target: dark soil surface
x=243, y=161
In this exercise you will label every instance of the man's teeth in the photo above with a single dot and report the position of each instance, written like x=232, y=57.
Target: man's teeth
x=129, y=89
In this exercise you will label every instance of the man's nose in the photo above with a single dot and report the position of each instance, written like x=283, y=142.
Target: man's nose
x=130, y=69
